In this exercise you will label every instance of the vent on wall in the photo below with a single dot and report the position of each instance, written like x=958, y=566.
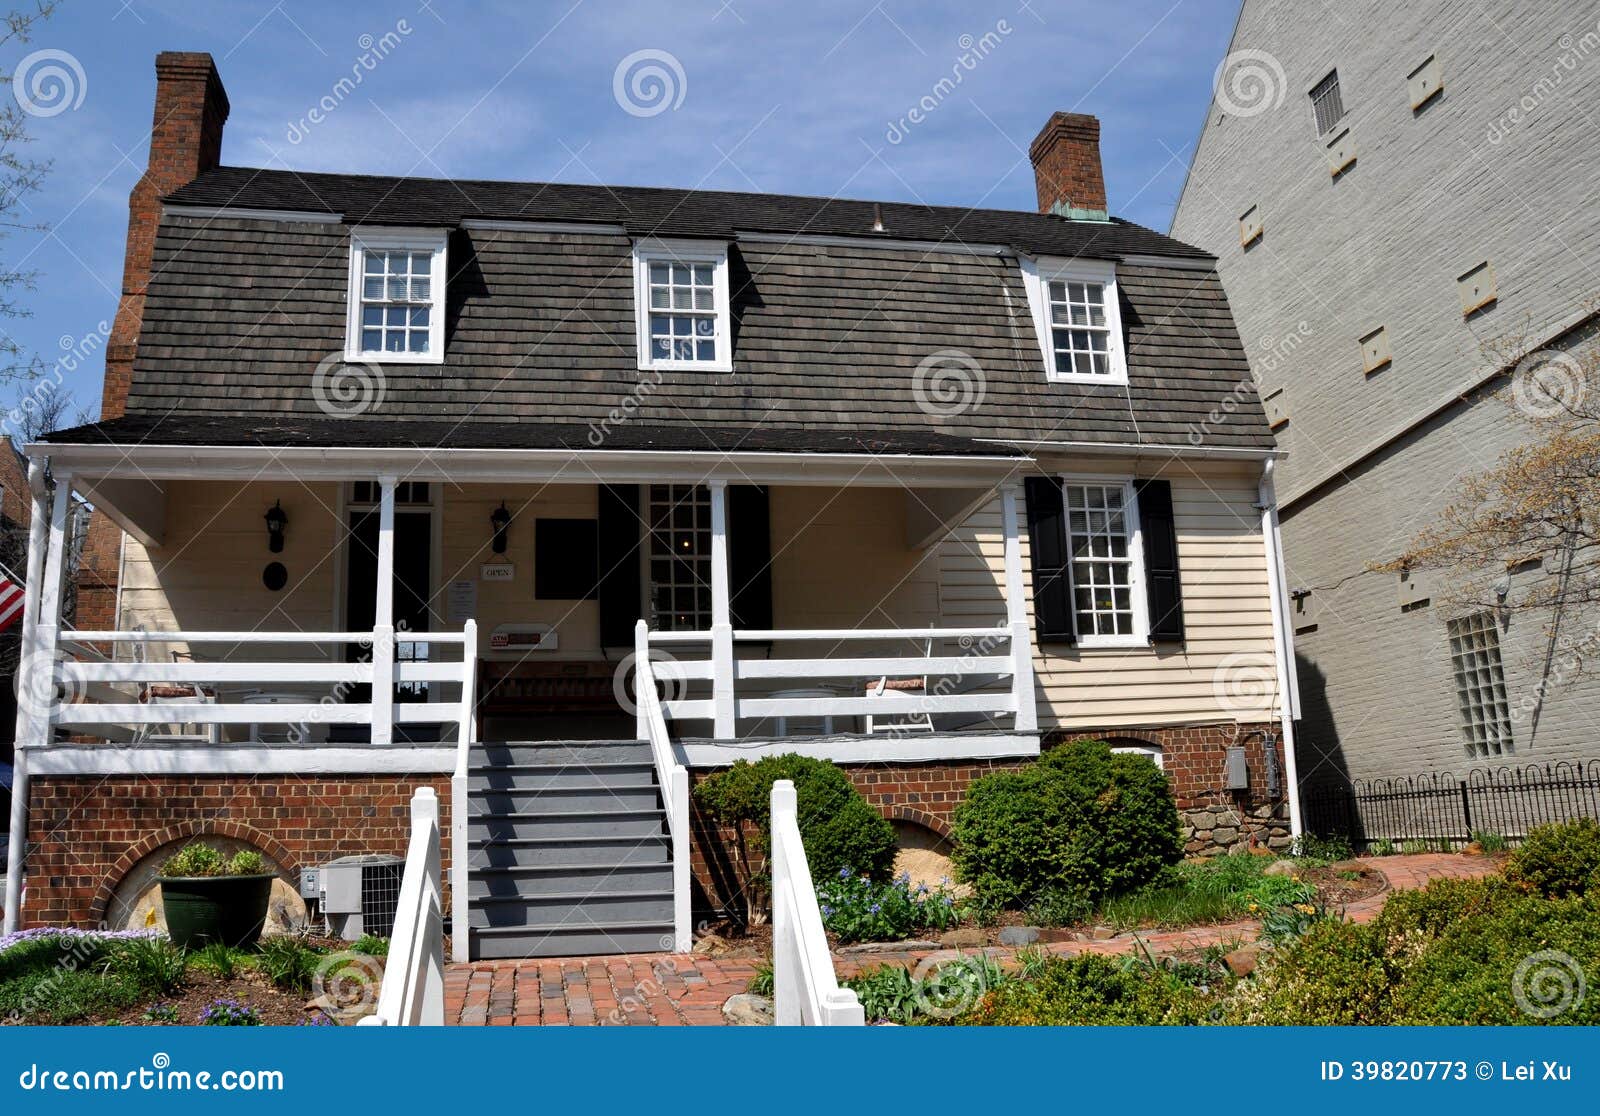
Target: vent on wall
x=1477, y=288
x=1375, y=350
x=1277, y=408
x=1249, y=226
x=1341, y=152
x=1425, y=82
x=1327, y=103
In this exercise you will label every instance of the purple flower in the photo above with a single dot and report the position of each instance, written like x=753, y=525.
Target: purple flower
x=844, y=873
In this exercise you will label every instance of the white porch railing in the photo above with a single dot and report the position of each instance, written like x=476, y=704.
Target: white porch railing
x=805, y=990
x=412, y=994
x=671, y=776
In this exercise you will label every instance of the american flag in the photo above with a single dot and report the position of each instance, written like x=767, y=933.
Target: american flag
x=11, y=598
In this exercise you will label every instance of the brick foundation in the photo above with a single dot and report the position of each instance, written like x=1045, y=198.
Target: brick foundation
x=85, y=834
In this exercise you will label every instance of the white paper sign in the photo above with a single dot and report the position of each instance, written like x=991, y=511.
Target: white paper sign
x=463, y=601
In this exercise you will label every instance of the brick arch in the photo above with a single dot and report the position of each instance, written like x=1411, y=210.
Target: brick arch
x=287, y=862
x=926, y=820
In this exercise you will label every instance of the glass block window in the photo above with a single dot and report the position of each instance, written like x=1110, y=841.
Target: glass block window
x=396, y=297
x=1480, y=685
x=1078, y=328
x=1104, y=578
x=1327, y=103
x=678, y=517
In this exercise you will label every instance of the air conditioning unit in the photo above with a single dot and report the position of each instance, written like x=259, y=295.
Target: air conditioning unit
x=359, y=894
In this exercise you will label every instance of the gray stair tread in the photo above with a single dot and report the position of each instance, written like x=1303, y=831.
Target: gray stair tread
x=604, y=839
x=601, y=788
x=573, y=927
x=515, y=815
x=619, y=866
x=556, y=765
x=575, y=897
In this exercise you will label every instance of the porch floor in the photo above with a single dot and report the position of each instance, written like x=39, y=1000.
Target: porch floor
x=671, y=990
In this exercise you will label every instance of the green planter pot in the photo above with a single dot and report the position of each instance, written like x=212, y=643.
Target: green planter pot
x=204, y=909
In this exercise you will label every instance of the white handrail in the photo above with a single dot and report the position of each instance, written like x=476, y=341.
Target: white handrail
x=412, y=994
x=673, y=778
x=466, y=736
x=805, y=989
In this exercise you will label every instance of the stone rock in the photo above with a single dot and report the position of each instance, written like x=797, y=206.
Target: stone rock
x=1347, y=866
x=1018, y=935
x=888, y=947
x=1242, y=962
x=1059, y=934
x=1224, y=835
x=711, y=945
x=1102, y=934
x=963, y=939
x=748, y=1010
x=1280, y=868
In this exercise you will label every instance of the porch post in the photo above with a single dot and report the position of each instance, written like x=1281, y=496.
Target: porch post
x=383, y=620
x=16, y=859
x=722, y=699
x=1027, y=719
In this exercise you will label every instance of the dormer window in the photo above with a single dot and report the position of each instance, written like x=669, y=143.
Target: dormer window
x=396, y=302
x=1074, y=308
x=681, y=305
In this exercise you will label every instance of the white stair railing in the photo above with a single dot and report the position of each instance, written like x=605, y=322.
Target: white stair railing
x=460, y=850
x=413, y=980
x=672, y=777
x=804, y=986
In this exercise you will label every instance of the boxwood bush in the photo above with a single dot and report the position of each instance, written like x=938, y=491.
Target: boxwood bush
x=1558, y=860
x=840, y=829
x=1082, y=820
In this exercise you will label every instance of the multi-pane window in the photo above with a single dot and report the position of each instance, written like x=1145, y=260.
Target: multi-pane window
x=1480, y=685
x=396, y=297
x=1078, y=328
x=683, y=315
x=1326, y=103
x=678, y=518
x=1100, y=538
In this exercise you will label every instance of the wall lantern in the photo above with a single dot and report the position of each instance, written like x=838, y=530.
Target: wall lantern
x=276, y=522
x=500, y=519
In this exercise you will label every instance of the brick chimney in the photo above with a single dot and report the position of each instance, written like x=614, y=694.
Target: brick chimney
x=1066, y=167
x=185, y=141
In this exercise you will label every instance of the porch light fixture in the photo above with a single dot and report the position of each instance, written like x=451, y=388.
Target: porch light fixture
x=276, y=522
x=500, y=519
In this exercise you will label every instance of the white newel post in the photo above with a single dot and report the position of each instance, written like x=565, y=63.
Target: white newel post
x=38, y=527
x=641, y=658
x=786, y=980
x=722, y=700
x=383, y=620
x=1027, y=719
x=460, y=851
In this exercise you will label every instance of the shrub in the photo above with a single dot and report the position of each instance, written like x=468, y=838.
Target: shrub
x=839, y=828
x=1558, y=860
x=246, y=862
x=1309, y=846
x=218, y=959
x=372, y=945
x=761, y=982
x=155, y=965
x=1090, y=990
x=894, y=993
x=290, y=963
x=1490, y=841
x=858, y=910
x=1059, y=906
x=193, y=861
x=1081, y=819
x=1334, y=975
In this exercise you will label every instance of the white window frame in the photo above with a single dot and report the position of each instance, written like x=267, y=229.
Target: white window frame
x=1151, y=752
x=396, y=239
x=654, y=250
x=647, y=581
x=1037, y=275
x=1477, y=670
x=1140, y=636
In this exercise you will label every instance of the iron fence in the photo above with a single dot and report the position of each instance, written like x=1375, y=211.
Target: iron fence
x=1440, y=807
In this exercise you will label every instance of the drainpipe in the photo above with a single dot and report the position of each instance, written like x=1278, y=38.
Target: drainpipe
x=1282, y=642
x=38, y=526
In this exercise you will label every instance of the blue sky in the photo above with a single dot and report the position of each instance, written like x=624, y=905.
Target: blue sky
x=809, y=98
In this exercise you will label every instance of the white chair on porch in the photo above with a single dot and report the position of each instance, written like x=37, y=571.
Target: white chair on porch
x=900, y=694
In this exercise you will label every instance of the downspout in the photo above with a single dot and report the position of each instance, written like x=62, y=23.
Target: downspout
x=1282, y=642
x=38, y=525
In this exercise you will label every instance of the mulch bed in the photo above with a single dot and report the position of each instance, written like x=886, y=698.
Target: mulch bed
x=276, y=1008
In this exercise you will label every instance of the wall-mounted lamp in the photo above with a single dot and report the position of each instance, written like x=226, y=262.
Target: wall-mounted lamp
x=276, y=522
x=500, y=519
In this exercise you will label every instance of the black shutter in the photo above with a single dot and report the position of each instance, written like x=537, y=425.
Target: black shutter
x=620, y=531
x=1047, y=550
x=749, y=557
x=1162, y=587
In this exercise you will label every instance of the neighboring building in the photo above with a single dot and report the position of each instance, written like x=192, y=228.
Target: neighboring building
x=910, y=488
x=1404, y=190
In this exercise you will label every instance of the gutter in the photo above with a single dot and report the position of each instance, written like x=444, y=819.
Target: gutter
x=1282, y=643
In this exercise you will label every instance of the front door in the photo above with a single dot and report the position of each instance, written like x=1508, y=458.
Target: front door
x=413, y=581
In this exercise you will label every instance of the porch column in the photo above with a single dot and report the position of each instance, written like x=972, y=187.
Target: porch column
x=383, y=620
x=16, y=859
x=722, y=701
x=1027, y=719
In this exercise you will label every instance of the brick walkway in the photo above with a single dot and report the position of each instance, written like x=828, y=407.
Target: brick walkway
x=666, y=989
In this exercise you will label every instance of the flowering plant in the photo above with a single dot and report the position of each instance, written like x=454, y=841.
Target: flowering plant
x=856, y=909
x=229, y=1013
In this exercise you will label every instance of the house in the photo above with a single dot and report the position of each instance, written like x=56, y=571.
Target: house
x=409, y=480
x=1397, y=206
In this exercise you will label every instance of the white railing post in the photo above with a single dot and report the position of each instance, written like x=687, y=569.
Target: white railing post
x=722, y=700
x=786, y=990
x=27, y=664
x=460, y=850
x=641, y=659
x=383, y=620
x=805, y=989
x=1027, y=710
x=412, y=994
x=682, y=925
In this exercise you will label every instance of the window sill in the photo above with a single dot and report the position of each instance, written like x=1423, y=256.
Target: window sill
x=1116, y=643
x=686, y=366
x=393, y=358
x=1087, y=378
